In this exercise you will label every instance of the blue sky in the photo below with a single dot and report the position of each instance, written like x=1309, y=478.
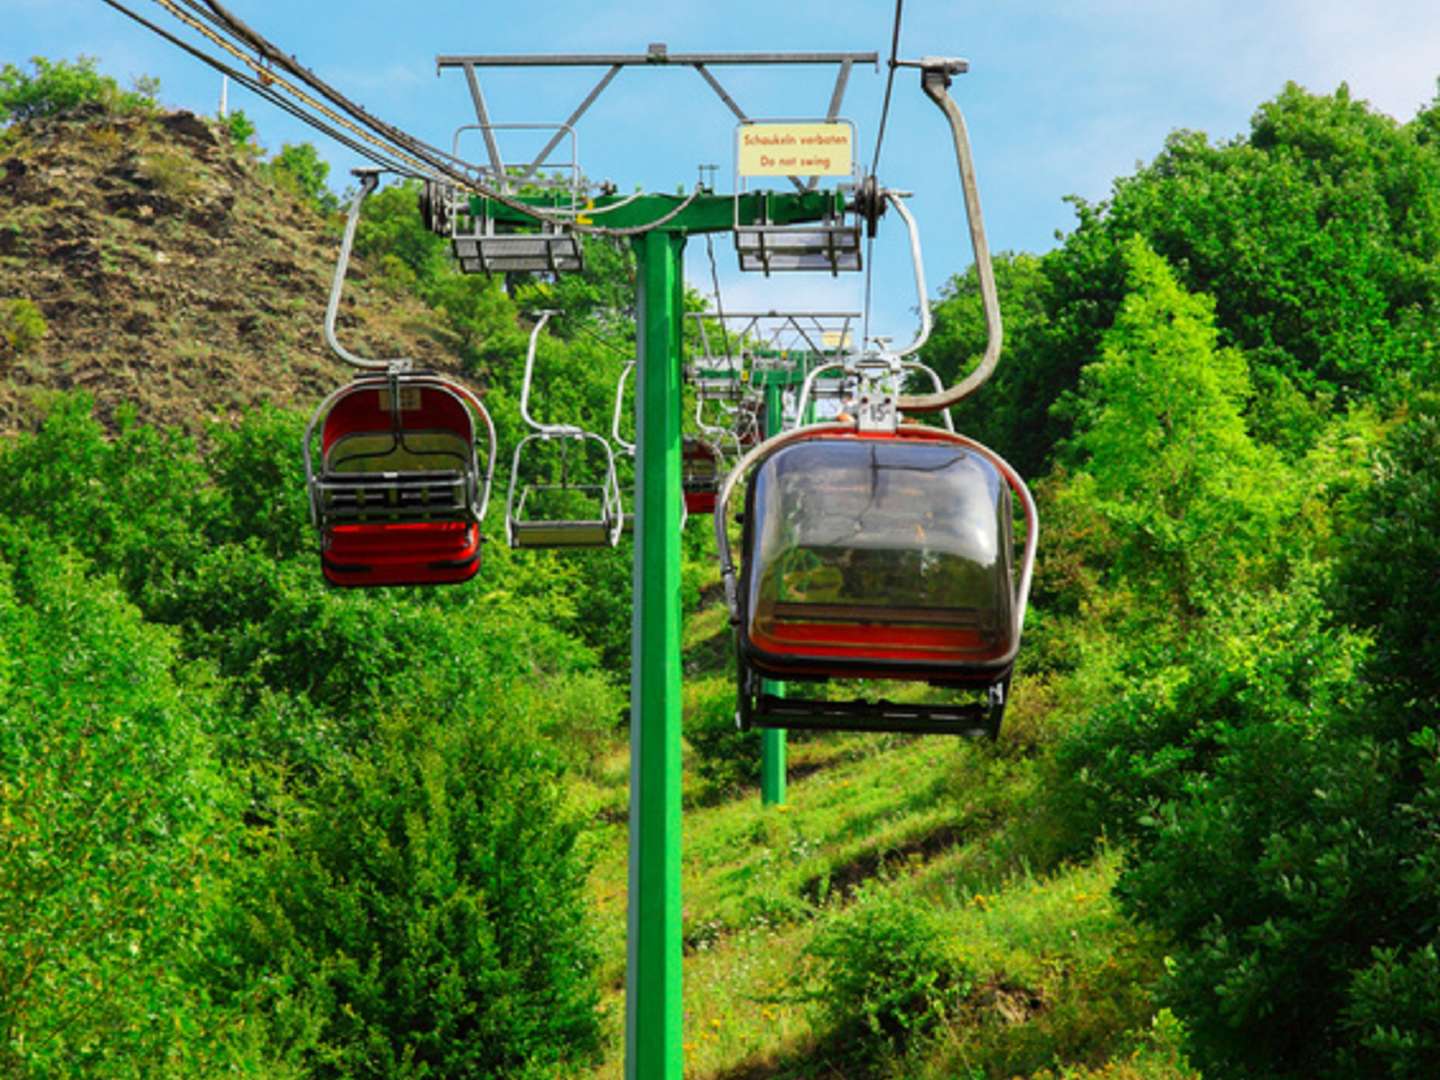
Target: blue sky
x=1061, y=97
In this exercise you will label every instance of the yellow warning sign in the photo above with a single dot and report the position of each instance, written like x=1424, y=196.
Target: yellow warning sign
x=813, y=149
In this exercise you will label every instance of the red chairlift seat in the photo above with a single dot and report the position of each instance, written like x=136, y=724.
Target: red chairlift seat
x=871, y=555
x=700, y=474
x=398, y=495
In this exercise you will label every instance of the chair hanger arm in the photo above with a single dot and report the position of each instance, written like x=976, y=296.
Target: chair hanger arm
x=934, y=79
x=369, y=181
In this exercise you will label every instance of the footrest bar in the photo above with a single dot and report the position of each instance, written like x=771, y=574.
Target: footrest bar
x=970, y=721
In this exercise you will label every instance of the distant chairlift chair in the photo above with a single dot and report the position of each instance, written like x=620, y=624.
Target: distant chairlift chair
x=830, y=244
x=483, y=245
x=530, y=517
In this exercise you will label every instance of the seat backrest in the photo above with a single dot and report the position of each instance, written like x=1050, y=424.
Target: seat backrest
x=385, y=451
x=360, y=433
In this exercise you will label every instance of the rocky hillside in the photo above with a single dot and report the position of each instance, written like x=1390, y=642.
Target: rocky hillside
x=174, y=274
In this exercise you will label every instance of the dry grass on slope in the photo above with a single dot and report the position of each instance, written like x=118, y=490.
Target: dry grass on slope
x=174, y=274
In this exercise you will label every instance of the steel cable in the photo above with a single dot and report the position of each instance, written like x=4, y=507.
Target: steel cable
x=875, y=163
x=388, y=146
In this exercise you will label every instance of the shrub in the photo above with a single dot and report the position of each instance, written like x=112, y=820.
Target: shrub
x=1394, y=1010
x=239, y=127
x=299, y=167
x=56, y=88
x=725, y=757
x=112, y=825
x=21, y=325
x=134, y=503
x=421, y=912
x=884, y=975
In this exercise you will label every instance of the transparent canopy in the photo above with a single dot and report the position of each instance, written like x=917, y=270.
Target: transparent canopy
x=884, y=550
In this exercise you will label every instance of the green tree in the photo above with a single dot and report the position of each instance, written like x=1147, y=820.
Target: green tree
x=1008, y=403
x=134, y=503
x=1279, y=785
x=1316, y=233
x=241, y=129
x=423, y=911
x=114, y=825
x=391, y=233
x=1161, y=451
x=53, y=88
x=299, y=167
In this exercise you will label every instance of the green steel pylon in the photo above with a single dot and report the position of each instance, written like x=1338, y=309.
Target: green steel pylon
x=654, y=949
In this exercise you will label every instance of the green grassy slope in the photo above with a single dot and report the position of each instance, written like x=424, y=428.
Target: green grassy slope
x=1061, y=982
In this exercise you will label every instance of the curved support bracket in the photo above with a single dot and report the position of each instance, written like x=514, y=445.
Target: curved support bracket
x=543, y=429
x=624, y=444
x=369, y=181
x=934, y=79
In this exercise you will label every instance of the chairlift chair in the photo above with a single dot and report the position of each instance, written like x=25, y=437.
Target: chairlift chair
x=483, y=245
x=716, y=376
x=701, y=464
x=397, y=493
x=830, y=244
x=877, y=548
x=879, y=555
x=530, y=527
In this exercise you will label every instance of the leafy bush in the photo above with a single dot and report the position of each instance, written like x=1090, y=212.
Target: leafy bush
x=257, y=471
x=422, y=912
x=725, y=757
x=299, y=167
x=391, y=232
x=1394, y=1010
x=113, y=825
x=21, y=325
x=1300, y=776
x=135, y=504
x=884, y=975
x=239, y=127
x=55, y=88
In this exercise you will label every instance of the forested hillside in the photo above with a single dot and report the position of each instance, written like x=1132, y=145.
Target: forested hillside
x=250, y=825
